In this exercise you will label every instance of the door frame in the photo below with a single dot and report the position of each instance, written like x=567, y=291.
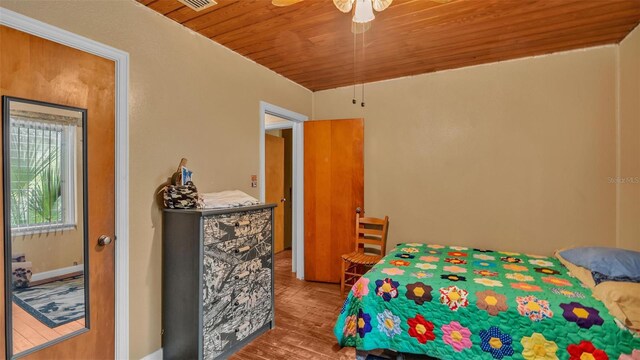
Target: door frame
x=121, y=59
x=297, y=165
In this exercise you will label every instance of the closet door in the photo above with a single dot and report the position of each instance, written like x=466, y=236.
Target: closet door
x=333, y=190
x=274, y=185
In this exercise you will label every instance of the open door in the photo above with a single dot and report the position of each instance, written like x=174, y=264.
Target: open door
x=274, y=185
x=333, y=190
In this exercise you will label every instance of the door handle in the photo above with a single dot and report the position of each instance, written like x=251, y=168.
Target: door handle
x=358, y=210
x=283, y=200
x=243, y=249
x=104, y=240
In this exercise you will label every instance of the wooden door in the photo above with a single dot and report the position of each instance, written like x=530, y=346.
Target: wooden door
x=333, y=189
x=38, y=69
x=274, y=185
x=287, y=135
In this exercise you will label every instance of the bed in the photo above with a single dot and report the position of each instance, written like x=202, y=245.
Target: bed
x=452, y=302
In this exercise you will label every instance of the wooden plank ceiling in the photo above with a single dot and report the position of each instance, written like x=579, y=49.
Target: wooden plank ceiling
x=311, y=42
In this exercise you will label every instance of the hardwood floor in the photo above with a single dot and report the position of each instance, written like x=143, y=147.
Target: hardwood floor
x=28, y=332
x=305, y=315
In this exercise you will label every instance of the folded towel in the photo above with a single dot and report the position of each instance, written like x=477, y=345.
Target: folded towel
x=225, y=199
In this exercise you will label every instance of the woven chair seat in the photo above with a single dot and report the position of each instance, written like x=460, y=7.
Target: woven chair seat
x=359, y=258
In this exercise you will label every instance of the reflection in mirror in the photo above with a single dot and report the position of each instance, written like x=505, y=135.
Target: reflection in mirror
x=45, y=208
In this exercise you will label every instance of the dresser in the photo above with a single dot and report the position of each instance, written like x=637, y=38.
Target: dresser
x=217, y=280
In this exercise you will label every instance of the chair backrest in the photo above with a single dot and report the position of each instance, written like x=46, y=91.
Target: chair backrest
x=371, y=231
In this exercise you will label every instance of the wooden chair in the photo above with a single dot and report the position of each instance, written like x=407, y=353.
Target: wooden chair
x=369, y=231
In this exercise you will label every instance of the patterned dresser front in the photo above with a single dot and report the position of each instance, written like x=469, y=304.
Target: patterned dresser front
x=217, y=280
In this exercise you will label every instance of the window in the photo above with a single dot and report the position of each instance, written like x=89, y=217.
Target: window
x=42, y=158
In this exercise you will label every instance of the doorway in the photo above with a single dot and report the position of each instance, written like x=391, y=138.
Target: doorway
x=281, y=126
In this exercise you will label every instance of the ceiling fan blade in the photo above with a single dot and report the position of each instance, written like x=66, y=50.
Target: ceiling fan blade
x=380, y=5
x=442, y=1
x=344, y=5
x=284, y=2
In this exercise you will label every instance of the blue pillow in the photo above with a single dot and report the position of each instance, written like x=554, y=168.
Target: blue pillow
x=608, y=261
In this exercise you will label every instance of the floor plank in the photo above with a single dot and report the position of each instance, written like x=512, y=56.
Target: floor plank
x=305, y=315
x=29, y=332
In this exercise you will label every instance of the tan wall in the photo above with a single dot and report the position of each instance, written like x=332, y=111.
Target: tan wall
x=629, y=146
x=276, y=132
x=52, y=251
x=271, y=120
x=188, y=98
x=511, y=155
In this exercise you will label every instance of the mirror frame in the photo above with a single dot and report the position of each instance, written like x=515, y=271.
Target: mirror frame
x=6, y=176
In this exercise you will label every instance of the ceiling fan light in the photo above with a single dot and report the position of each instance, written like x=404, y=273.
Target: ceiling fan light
x=364, y=11
x=359, y=28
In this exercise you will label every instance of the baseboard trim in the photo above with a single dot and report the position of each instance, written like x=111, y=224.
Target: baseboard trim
x=57, y=272
x=157, y=355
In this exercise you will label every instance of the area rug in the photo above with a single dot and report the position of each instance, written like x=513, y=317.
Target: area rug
x=55, y=303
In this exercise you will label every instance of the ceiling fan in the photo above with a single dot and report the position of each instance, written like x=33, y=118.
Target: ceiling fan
x=346, y=5
x=361, y=22
x=364, y=8
x=363, y=13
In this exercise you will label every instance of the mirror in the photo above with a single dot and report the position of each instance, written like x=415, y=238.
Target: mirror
x=45, y=217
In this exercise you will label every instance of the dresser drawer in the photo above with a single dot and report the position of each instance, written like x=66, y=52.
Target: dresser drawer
x=214, y=342
x=223, y=289
x=238, y=306
x=249, y=273
x=251, y=247
x=232, y=226
x=242, y=248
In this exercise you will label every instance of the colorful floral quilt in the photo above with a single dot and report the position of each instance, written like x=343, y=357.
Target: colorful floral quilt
x=454, y=302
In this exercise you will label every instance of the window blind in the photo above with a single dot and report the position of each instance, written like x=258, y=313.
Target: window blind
x=37, y=174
